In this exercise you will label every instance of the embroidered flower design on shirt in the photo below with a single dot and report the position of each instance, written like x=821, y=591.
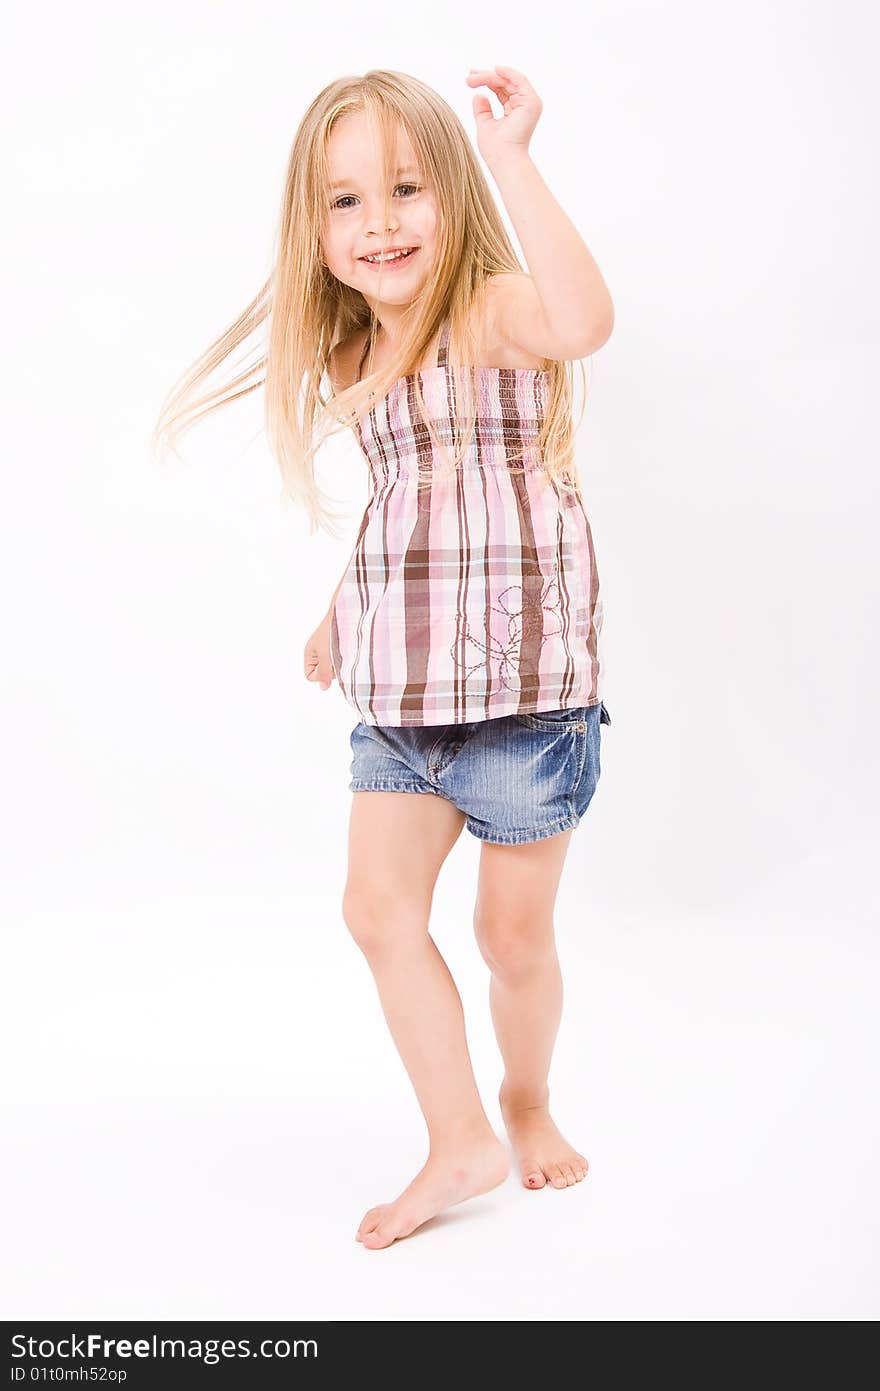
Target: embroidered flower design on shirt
x=502, y=656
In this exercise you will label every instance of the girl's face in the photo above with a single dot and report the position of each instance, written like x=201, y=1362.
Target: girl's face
x=354, y=226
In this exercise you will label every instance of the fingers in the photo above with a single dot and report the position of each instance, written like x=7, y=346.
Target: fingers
x=503, y=80
x=323, y=674
x=512, y=88
x=511, y=74
x=487, y=78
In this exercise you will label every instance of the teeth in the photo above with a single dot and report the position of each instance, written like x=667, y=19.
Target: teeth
x=388, y=256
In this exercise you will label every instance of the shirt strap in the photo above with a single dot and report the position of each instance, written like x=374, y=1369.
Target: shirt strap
x=443, y=345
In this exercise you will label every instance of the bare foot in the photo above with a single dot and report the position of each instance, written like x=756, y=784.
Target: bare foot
x=543, y=1153
x=442, y=1182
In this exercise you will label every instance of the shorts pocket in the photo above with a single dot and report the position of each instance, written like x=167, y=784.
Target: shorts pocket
x=555, y=721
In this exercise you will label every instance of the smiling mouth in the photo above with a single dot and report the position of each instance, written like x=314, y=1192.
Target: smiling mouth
x=394, y=258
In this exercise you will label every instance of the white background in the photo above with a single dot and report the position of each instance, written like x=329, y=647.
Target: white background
x=205, y=1098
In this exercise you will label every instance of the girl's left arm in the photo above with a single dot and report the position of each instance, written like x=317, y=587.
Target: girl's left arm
x=562, y=309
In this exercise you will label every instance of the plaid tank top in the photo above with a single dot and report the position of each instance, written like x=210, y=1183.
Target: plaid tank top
x=478, y=596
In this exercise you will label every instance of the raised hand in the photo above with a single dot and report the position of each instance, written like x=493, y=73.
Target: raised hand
x=499, y=136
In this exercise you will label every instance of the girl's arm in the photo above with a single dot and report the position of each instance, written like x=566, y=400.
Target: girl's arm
x=563, y=309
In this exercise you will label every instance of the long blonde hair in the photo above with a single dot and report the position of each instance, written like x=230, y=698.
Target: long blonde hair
x=310, y=311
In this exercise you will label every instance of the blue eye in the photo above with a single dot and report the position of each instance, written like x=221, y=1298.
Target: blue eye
x=347, y=196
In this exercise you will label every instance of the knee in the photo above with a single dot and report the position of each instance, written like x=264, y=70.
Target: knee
x=515, y=950
x=378, y=921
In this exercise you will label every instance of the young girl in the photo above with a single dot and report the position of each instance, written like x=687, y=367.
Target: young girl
x=466, y=629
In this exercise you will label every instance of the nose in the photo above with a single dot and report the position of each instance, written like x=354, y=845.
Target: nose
x=374, y=224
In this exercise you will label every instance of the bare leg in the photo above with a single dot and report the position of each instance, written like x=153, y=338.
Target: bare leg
x=397, y=844
x=514, y=927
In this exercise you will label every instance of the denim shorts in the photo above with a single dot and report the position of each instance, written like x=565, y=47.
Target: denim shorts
x=517, y=778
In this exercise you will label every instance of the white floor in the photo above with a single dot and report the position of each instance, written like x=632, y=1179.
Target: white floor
x=205, y=1101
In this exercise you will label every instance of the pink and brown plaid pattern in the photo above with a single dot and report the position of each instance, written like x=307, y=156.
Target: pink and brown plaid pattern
x=478, y=596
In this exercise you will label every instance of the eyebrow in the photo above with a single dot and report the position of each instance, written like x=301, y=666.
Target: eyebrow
x=404, y=169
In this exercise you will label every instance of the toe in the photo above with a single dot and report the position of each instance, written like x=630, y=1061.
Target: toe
x=370, y=1221
x=534, y=1178
x=376, y=1241
x=557, y=1177
x=570, y=1176
x=386, y=1232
